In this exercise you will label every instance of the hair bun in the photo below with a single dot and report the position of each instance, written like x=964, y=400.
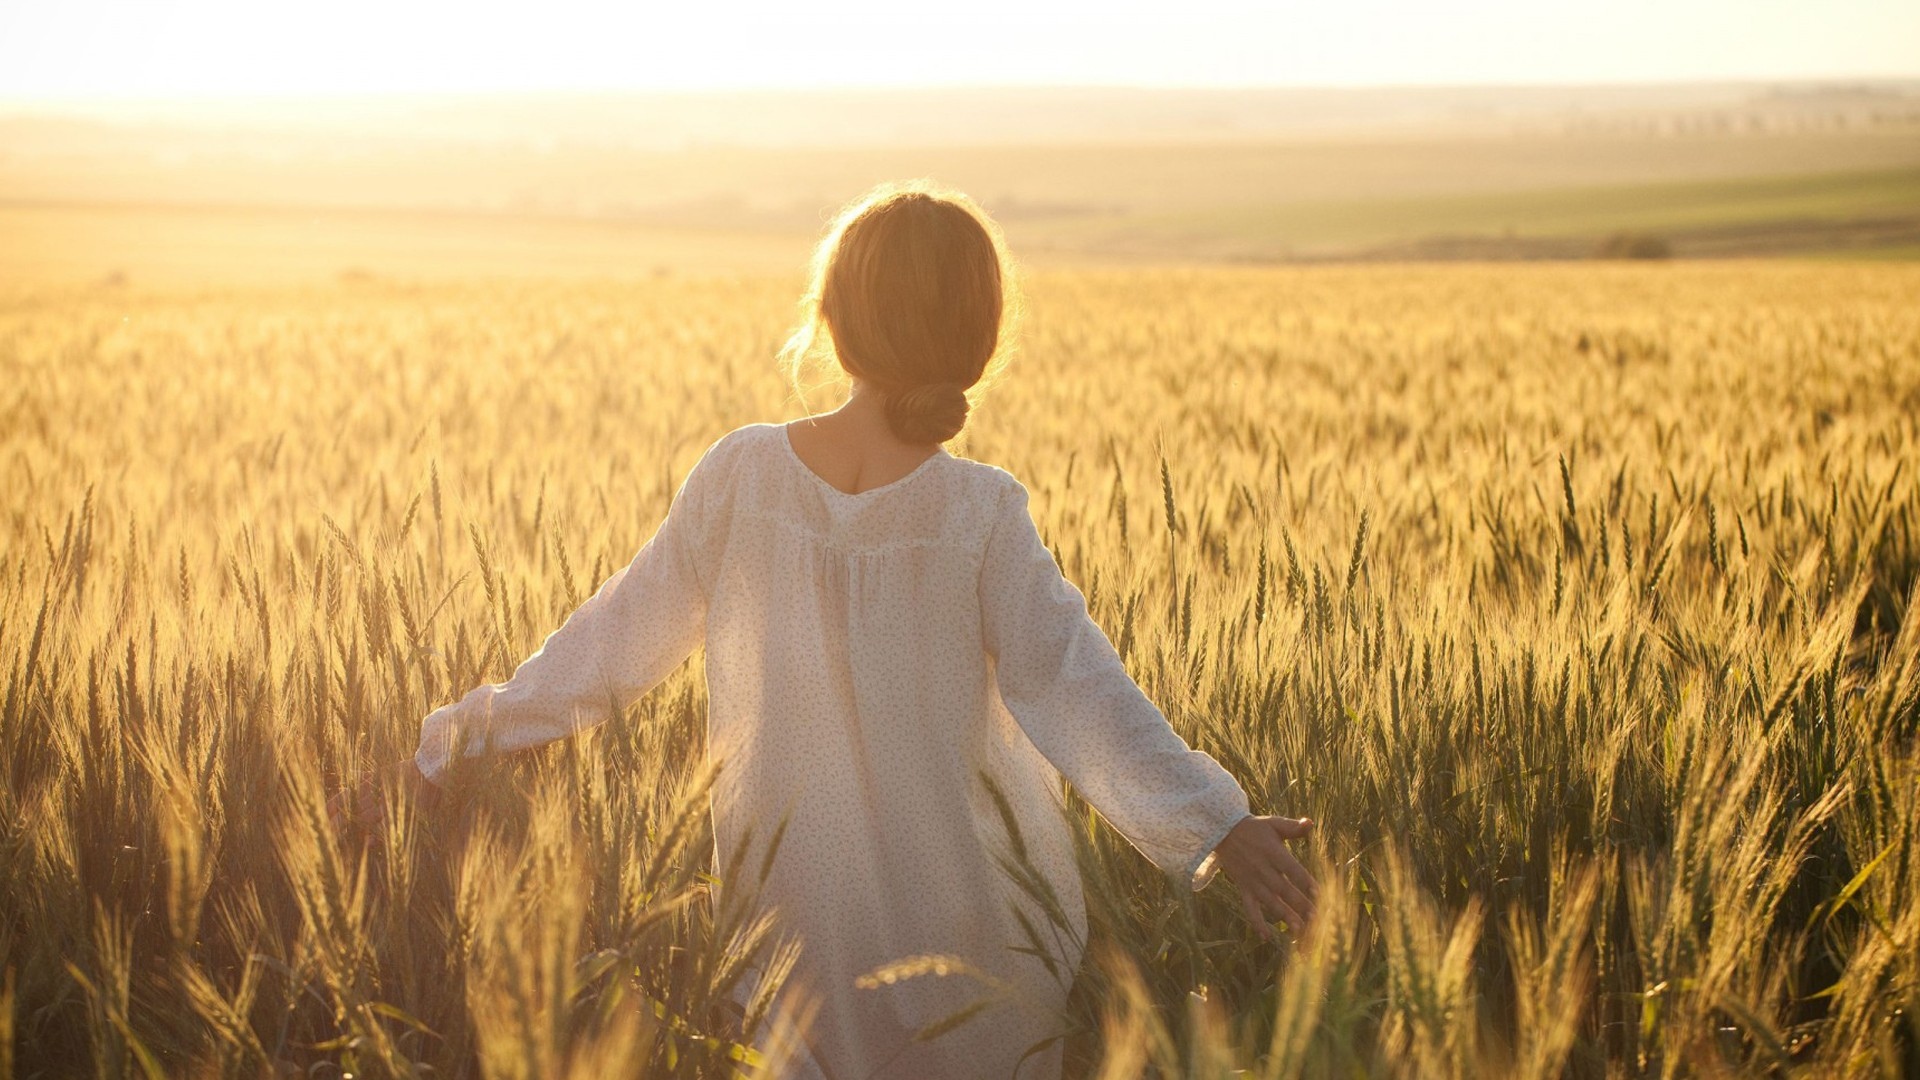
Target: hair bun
x=932, y=413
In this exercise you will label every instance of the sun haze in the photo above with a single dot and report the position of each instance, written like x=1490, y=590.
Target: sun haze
x=115, y=49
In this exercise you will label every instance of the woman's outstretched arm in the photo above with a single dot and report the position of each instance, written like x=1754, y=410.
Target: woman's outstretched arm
x=641, y=624
x=1066, y=686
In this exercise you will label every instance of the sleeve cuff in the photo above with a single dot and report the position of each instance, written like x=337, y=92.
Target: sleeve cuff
x=1200, y=872
x=432, y=765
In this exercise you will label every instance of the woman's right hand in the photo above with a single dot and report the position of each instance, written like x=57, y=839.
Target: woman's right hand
x=1273, y=885
x=363, y=807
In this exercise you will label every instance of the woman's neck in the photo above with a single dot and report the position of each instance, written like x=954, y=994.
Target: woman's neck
x=861, y=418
x=854, y=447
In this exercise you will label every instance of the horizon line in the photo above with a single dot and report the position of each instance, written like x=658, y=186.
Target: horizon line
x=10, y=100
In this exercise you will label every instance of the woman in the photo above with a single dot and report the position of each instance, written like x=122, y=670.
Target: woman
x=886, y=633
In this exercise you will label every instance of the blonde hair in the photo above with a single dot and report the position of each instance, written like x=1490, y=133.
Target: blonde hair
x=918, y=298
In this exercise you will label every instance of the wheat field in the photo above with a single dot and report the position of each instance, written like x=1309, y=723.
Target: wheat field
x=1574, y=603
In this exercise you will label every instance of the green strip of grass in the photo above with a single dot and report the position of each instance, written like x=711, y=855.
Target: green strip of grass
x=1564, y=212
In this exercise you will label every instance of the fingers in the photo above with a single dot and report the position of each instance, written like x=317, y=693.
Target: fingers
x=1263, y=908
x=357, y=808
x=369, y=807
x=1283, y=877
x=1292, y=828
x=1263, y=884
x=1254, y=915
x=337, y=812
x=425, y=792
x=361, y=808
x=1298, y=877
x=1272, y=882
x=1278, y=908
x=1283, y=858
x=1290, y=894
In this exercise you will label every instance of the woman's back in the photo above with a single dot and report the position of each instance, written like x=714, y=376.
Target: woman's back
x=845, y=657
x=873, y=659
x=850, y=697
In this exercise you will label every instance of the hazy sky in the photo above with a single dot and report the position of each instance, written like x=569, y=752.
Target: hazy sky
x=63, y=49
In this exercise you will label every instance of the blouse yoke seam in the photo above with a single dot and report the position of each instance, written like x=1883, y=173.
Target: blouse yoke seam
x=820, y=539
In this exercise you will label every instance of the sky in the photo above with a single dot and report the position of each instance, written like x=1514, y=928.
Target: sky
x=80, y=50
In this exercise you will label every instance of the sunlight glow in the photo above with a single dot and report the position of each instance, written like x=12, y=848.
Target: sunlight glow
x=81, y=49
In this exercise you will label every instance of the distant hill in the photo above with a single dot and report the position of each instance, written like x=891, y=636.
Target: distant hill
x=1073, y=173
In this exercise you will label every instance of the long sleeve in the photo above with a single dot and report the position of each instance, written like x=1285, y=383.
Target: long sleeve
x=641, y=624
x=1066, y=686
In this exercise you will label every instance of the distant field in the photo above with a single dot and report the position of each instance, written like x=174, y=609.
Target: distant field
x=1832, y=212
x=76, y=243
x=219, y=211
x=1855, y=215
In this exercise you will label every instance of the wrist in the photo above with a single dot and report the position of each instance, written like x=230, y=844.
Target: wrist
x=415, y=778
x=1201, y=873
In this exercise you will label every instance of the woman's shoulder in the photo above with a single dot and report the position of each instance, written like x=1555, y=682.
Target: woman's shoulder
x=980, y=482
x=745, y=434
x=989, y=482
x=721, y=461
x=730, y=446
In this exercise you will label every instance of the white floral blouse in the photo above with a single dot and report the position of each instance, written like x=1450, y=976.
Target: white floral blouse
x=869, y=658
